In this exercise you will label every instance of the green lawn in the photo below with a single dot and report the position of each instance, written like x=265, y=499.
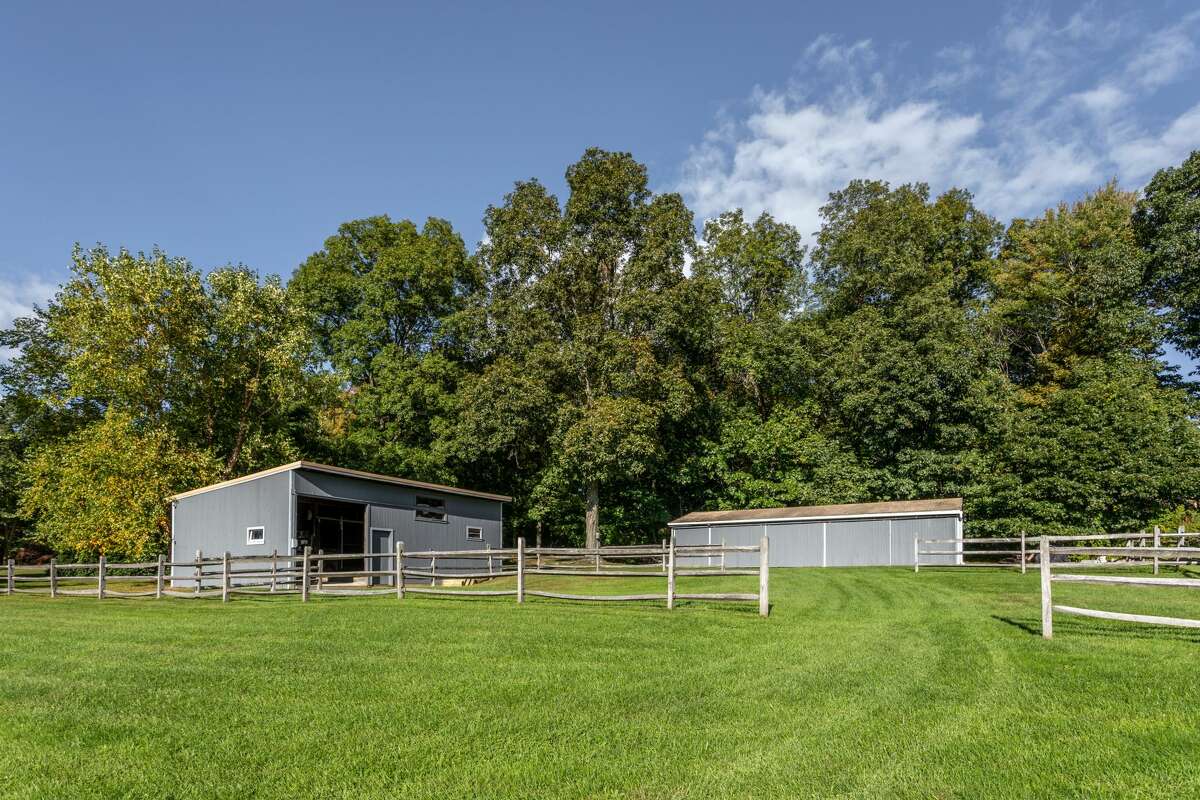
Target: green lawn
x=862, y=683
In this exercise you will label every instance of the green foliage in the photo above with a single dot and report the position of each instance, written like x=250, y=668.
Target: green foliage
x=1167, y=222
x=217, y=360
x=784, y=460
x=906, y=371
x=608, y=369
x=1068, y=288
x=100, y=490
x=587, y=302
x=385, y=298
x=1108, y=450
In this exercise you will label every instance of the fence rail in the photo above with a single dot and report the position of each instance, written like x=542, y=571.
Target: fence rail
x=1047, y=552
x=1027, y=553
x=306, y=573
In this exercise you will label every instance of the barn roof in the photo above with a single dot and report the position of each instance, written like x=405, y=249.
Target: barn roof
x=351, y=473
x=906, y=508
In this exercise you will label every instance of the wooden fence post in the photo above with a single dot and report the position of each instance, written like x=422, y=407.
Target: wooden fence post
x=764, y=578
x=321, y=570
x=520, y=569
x=664, y=555
x=304, y=574
x=597, y=559
x=671, y=571
x=225, y=577
x=54, y=577
x=10, y=573
x=158, y=577
x=399, y=570
x=917, y=553
x=1157, y=544
x=100, y=578
x=433, y=571
x=274, y=568
x=488, y=546
x=199, y=572
x=1022, y=551
x=1047, y=601
x=722, y=554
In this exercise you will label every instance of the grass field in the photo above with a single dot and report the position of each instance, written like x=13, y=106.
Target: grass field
x=862, y=683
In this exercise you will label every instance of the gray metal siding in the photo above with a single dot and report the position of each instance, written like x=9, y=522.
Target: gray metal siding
x=857, y=543
x=905, y=531
x=835, y=542
x=449, y=535
x=215, y=522
x=796, y=543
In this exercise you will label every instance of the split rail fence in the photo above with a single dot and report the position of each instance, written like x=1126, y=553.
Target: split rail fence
x=401, y=573
x=1051, y=548
x=1020, y=551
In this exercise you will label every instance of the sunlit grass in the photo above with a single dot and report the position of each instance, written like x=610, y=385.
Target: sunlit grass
x=862, y=683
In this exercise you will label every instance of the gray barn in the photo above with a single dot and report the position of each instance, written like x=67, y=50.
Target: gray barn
x=854, y=535
x=333, y=509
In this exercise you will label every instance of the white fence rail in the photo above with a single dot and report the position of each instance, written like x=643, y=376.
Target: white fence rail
x=1048, y=552
x=388, y=573
x=1001, y=552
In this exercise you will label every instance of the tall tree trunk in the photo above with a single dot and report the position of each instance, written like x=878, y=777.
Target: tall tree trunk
x=592, y=515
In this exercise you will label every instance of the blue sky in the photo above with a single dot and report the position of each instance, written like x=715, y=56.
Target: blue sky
x=246, y=132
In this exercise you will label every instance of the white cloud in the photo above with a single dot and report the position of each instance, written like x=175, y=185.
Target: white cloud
x=1104, y=99
x=793, y=156
x=1145, y=154
x=1165, y=55
x=17, y=299
x=1046, y=112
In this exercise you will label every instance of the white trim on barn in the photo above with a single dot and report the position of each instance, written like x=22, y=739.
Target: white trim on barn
x=757, y=520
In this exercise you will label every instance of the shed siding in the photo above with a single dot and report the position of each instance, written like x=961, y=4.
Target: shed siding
x=449, y=535
x=905, y=532
x=834, y=542
x=215, y=522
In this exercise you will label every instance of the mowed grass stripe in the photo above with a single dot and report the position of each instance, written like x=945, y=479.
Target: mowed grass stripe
x=862, y=683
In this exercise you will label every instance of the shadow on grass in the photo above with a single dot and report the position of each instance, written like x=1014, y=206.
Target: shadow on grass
x=1103, y=628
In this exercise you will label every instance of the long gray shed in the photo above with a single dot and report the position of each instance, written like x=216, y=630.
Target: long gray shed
x=303, y=504
x=852, y=535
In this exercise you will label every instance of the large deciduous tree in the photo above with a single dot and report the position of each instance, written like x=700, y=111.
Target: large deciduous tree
x=588, y=303
x=389, y=303
x=1095, y=439
x=906, y=372
x=101, y=490
x=1167, y=224
x=218, y=360
x=1068, y=288
x=141, y=377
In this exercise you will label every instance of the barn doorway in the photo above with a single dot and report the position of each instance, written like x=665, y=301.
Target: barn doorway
x=332, y=526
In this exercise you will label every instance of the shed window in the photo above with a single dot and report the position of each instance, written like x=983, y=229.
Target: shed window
x=256, y=535
x=475, y=533
x=431, y=509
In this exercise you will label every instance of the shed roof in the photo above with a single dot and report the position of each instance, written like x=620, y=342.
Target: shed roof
x=905, y=508
x=351, y=473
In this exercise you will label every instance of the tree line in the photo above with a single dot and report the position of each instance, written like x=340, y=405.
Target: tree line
x=611, y=369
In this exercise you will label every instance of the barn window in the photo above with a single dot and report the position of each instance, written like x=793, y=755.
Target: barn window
x=431, y=509
x=475, y=533
x=256, y=535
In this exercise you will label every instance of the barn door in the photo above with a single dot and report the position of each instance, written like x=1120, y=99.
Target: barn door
x=381, y=542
